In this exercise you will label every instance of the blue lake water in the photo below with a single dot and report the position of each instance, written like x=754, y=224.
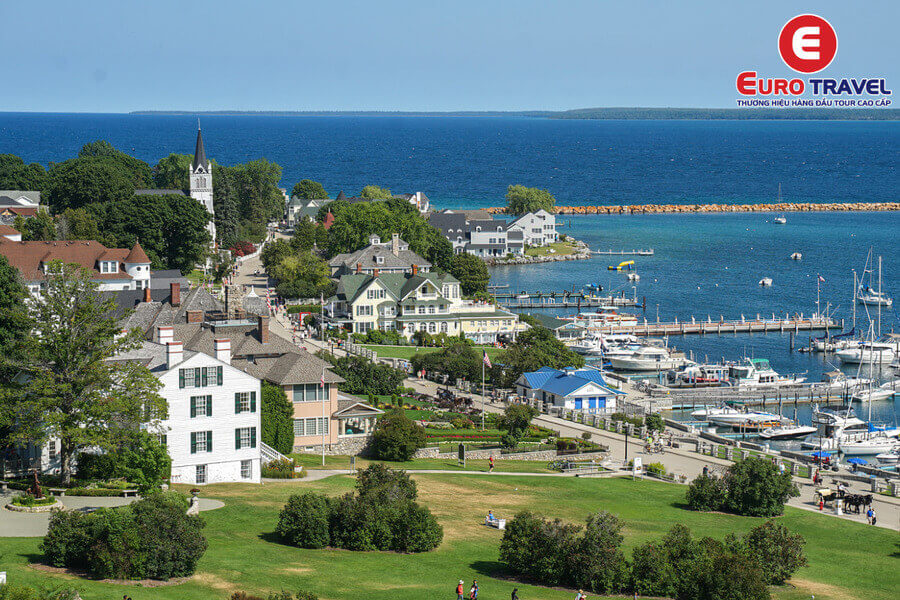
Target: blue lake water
x=704, y=264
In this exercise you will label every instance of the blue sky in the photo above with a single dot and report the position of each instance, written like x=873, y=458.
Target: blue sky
x=122, y=55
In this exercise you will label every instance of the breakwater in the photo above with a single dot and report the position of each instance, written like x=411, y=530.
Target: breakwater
x=779, y=207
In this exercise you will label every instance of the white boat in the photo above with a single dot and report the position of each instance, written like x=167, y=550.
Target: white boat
x=837, y=381
x=702, y=414
x=765, y=282
x=780, y=220
x=750, y=419
x=872, y=395
x=891, y=457
x=592, y=345
x=869, y=295
x=833, y=345
x=633, y=277
x=694, y=376
x=877, y=444
x=607, y=315
x=787, y=432
x=868, y=352
x=648, y=358
x=757, y=372
x=796, y=256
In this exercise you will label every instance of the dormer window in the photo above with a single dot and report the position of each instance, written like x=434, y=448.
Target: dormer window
x=478, y=228
x=379, y=260
x=109, y=266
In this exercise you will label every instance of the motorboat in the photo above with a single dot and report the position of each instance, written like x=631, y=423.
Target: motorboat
x=765, y=282
x=592, y=345
x=746, y=420
x=796, y=256
x=633, y=277
x=873, y=445
x=780, y=220
x=787, y=432
x=607, y=315
x=873, y=395
x=868, y=352
x=837, y=381
x=890, y=457
x=839, y=425
x=694, y=376
x=596, y=344
x=702, y=414
x=649, y=358
x=757, y=372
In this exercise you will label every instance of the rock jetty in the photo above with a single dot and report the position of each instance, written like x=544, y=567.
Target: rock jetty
x=652, y=209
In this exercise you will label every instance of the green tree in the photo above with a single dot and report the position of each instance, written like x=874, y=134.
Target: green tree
x=171, y=229
x=71, y=390
x=373, y=192
x=277, y=419
x=516, y=419
x=533, y=349
x=173, y=172
x=707, y=493
x=303, y=522
x=471, y=272
x=380, y=483
x=246, y=197
x=777, y=551
x=309, y=190
x=78, y=182
x=756, y=488
x=599, y=564
x=138, y=457
x=521, y=200
x=16, y=175
x=364, y=377
x=14, y=324
x=78, y=224
x=397, y=437
x=139, y=172
x=458, y=361
x=38, y=228
x=302, y=275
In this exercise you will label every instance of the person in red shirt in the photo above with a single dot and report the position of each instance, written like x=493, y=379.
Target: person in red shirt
x=459, y=590
x=491, y=464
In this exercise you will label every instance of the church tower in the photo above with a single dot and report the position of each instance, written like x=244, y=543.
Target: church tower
x=201, y=183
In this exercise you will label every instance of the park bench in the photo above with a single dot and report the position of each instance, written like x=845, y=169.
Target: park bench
x=129, y=493
x=495, y=522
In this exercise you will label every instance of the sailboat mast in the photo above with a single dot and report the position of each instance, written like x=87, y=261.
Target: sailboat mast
x=854, y=299
x=879, y=296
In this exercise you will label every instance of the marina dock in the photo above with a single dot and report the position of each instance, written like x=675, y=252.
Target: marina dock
x=693, y=327
x=624, y=252
x=560, y=299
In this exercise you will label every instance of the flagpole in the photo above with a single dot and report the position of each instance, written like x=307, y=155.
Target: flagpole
x=482, y=394
x=324, y=422
x=818, y=287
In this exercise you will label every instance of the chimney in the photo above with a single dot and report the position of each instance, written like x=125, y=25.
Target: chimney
x=175, y=293
x=415, y=269
x=263, y=329
x=164, y=335
x=194, y=316
x=147, y=296
x=223, y=350
x=358, y=268
x=375, y=273
x=395, y=244
x=174, y=354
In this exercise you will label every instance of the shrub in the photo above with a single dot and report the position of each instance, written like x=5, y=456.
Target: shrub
x=277, y=418
x=397, y=437
x=777, y=551
x=656, y=468
x=282, y=468
x=462, y=423
x=707, y=492
x=29, y=500
x=24, y=592
x=381, y=515
x=303, y=521
x=756, y=488
x=152, y=538
x=600, y=565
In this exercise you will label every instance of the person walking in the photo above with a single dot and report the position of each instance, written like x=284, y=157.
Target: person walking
x=874, y=518
x=459, y=590
x=580, y=595
x=491, y=464
x=869, y=514
x=473, y=591
x=515, y=594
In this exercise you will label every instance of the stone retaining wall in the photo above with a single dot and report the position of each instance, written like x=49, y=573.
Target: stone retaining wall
x=36, y=509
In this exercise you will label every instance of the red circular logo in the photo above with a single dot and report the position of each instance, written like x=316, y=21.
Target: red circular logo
x=807, y=43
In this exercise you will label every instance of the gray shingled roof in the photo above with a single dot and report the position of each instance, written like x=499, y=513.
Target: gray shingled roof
x=158, y=192
x=200, y=153
x=8, y=197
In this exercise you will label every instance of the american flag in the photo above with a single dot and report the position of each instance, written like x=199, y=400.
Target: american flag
x=322, y=380
x=486, y=360
x=821, y=279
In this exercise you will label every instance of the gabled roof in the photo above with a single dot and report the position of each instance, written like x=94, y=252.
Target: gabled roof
x=29, y=257
x=341, y=196
x=159, y=192
x=200, y=153
x=348, y=406
x=565, y=382
x=20, y=198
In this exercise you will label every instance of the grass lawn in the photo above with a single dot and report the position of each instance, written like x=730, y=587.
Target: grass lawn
x=314, y=461
x=847, y=560
x=561, y=248
x=407, y=352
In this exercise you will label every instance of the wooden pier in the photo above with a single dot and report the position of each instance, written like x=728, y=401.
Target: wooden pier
x=624, y=252
x=775, y=325
x=563, y=299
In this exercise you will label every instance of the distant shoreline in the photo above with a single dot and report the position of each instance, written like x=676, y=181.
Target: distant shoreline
x=634, y=114
x=784, y=207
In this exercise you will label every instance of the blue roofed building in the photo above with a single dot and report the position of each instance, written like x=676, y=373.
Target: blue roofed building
x=583, y=389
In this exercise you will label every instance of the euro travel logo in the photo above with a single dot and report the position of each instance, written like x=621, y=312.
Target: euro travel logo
x=808, y=44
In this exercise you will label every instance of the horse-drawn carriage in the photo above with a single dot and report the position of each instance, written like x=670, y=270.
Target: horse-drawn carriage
x=849, y=502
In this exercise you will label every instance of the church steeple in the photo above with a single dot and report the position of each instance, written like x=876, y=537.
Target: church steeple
x=200, y=153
